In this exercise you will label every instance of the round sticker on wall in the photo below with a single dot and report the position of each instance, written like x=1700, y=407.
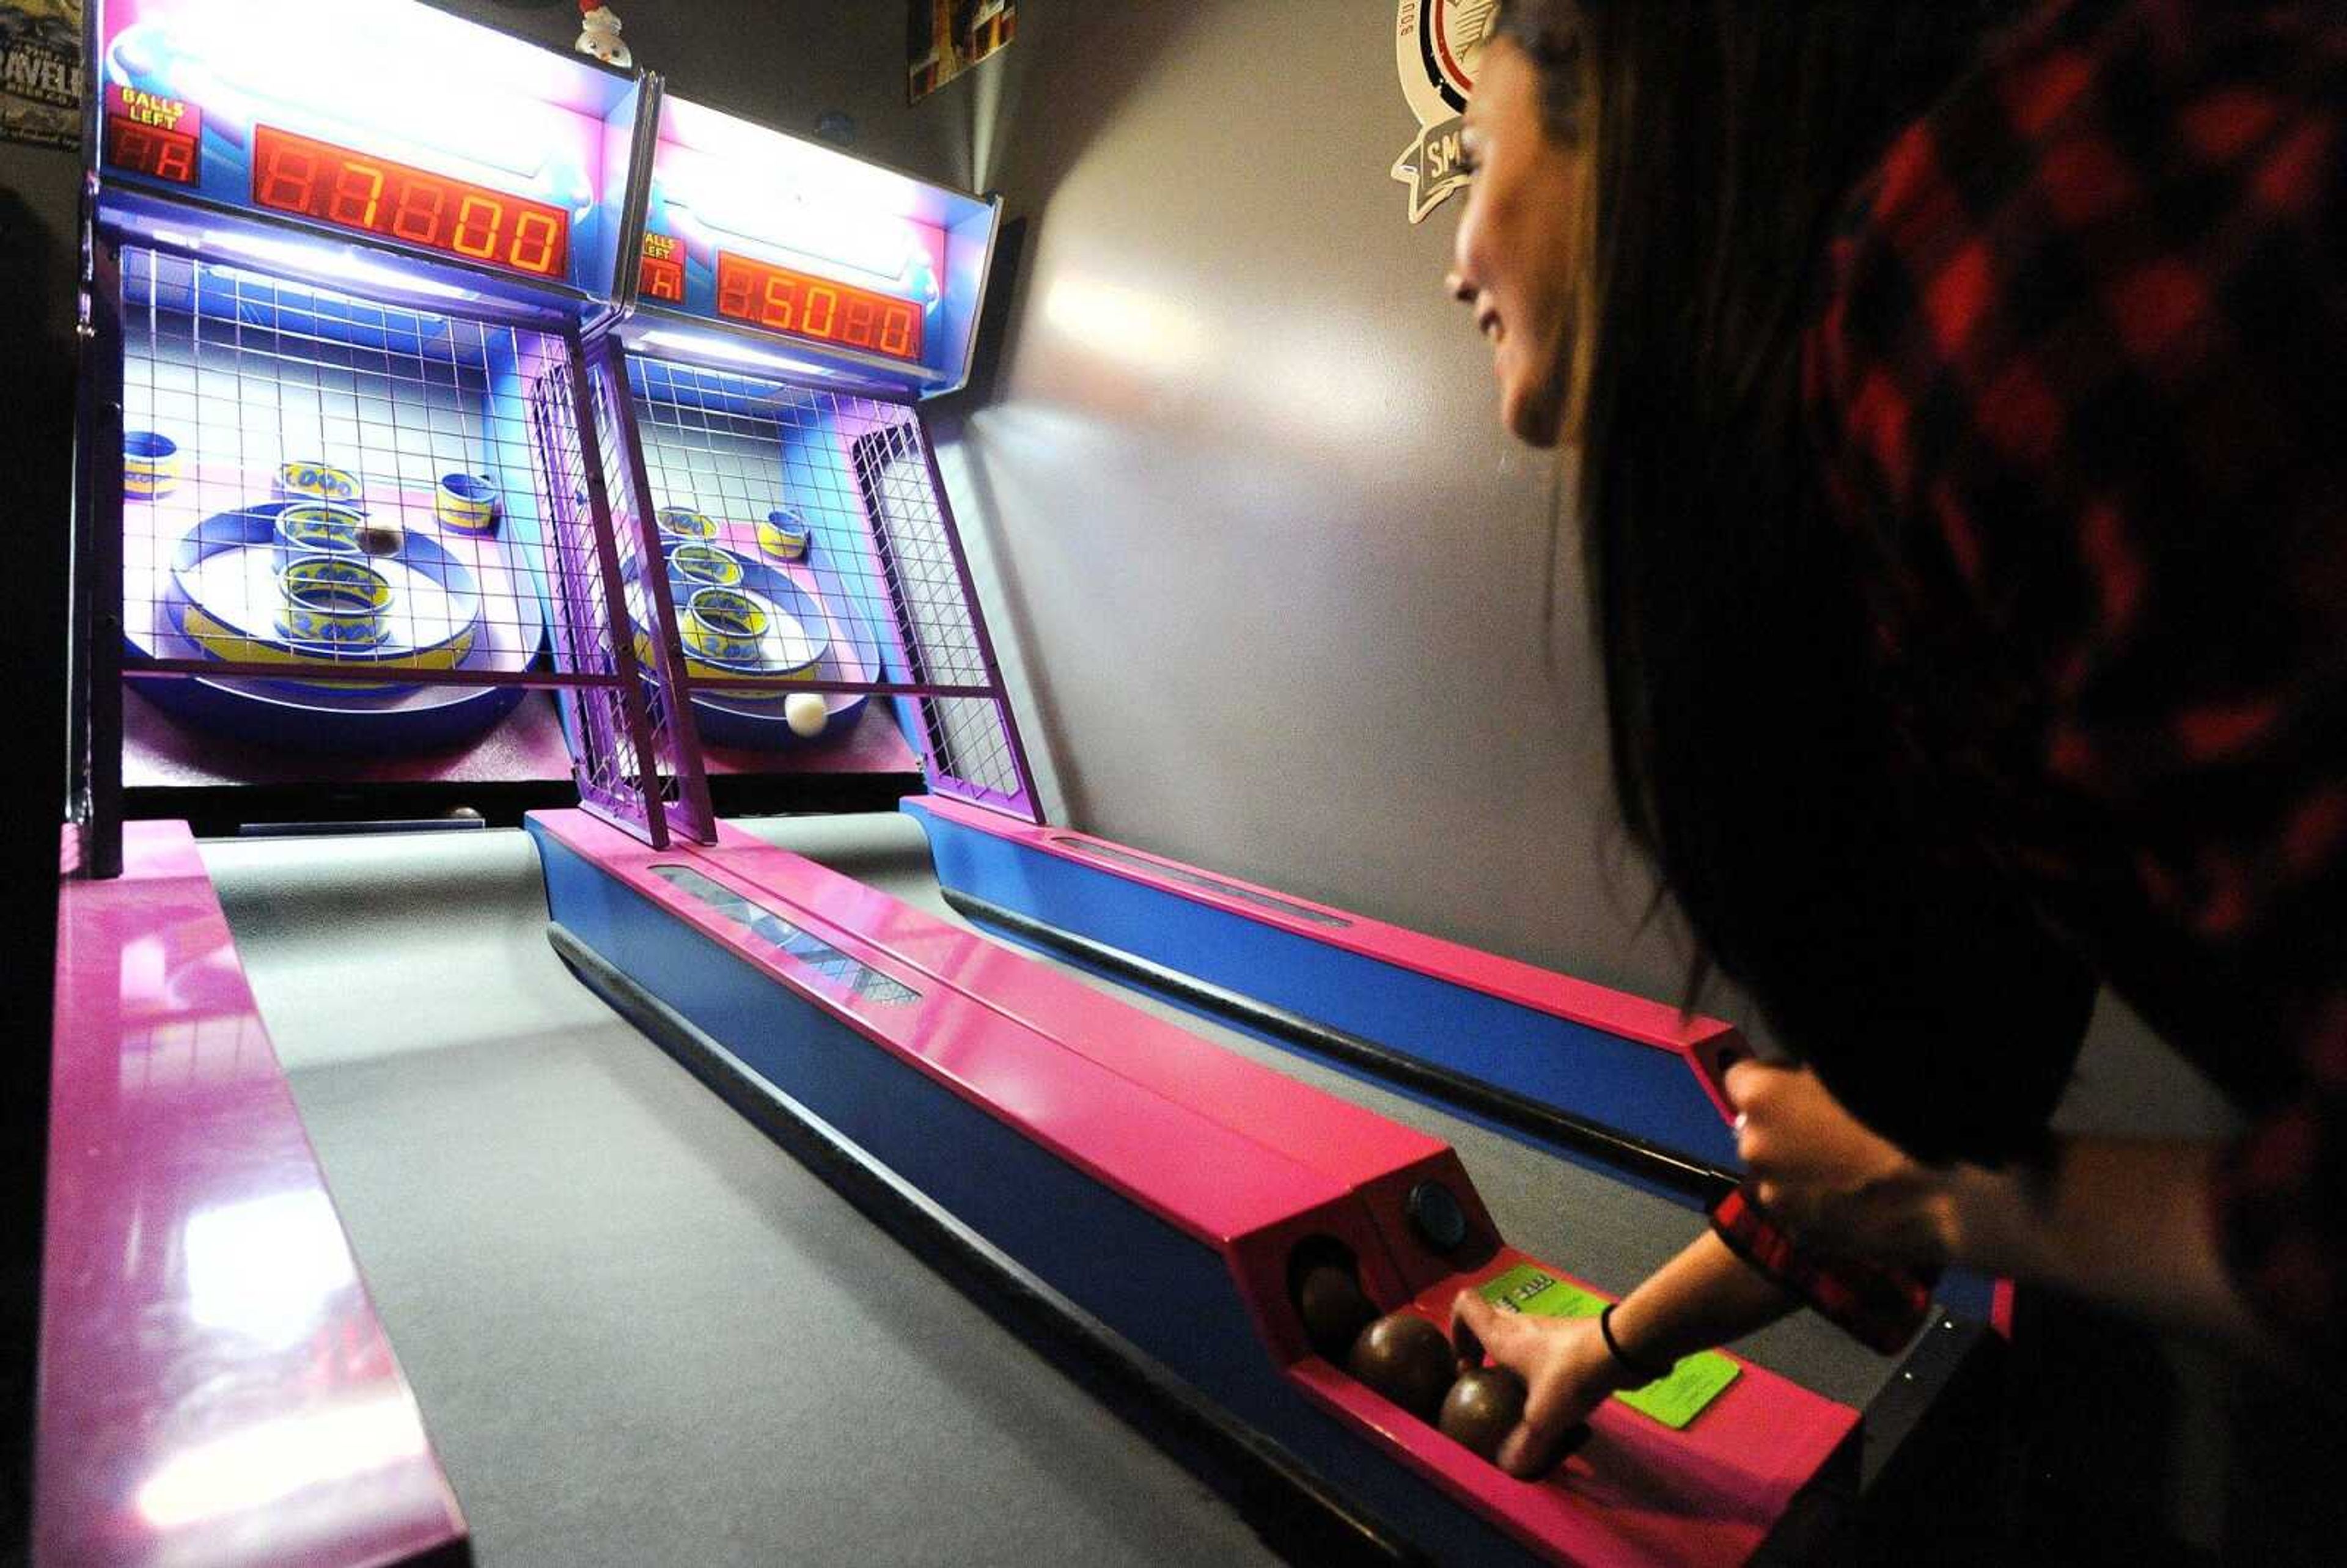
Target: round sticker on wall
x=1437, y=46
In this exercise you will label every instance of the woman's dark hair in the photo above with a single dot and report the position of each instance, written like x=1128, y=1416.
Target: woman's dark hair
x=1752, y=751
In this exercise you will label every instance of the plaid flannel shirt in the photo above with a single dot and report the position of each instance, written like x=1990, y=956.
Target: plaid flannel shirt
x=2075, y=386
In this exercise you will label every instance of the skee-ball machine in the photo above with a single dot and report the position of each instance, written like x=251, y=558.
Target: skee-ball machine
x=1613, y=1082
x=790, y=307
x=344, y=258
x=335, y=479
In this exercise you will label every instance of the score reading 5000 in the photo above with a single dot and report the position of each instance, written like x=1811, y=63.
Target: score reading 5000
x=817, y=308
x=333, y=185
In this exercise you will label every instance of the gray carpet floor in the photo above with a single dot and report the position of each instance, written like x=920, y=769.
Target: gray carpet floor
x=641, y=1333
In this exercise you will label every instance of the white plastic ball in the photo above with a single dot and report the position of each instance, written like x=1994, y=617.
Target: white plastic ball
x=806, y=715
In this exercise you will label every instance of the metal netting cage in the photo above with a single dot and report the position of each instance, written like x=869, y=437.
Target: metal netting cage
x=329, y=506
x=808, y=550
x=335, y=510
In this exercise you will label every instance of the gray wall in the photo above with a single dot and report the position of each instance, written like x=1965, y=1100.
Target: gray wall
x=1277, y=572
x=40, y=194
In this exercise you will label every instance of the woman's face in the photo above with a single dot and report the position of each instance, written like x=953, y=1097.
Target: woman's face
x=1517, y=254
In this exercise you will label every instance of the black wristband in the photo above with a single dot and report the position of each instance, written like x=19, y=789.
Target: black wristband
x=1637, y=1369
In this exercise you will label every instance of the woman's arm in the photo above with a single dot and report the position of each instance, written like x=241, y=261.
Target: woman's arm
x=2125, y=1222
x=1705, y=1297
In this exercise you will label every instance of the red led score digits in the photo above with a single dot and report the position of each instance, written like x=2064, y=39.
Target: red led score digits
x=372, y=195
x=150, y=134
x=663, y=272
x=783, y=301
x=150, y=149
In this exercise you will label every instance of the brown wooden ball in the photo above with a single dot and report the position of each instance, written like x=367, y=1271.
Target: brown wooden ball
x=1334, y=1311
x=1484, y=1406
x=1407, y=1360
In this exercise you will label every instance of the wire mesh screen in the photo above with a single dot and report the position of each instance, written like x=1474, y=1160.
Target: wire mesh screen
x=969, y=740
x=809, y=555
x=343, y=516
x=677, y=779
x=604, y=726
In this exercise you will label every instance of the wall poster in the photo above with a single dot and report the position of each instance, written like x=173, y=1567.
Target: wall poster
x=40, y=72
x=943, y=38
x=1437, y=45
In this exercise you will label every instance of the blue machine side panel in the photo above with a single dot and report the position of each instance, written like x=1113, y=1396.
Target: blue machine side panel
x=1162, y=1290
x=1631, y=1087
x=1584, y=1071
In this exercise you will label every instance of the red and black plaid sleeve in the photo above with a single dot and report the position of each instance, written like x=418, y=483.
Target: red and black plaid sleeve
x=1882, y=1307
x=2076, y=385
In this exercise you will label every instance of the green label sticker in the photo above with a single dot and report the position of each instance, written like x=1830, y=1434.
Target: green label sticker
x=1674, y=1400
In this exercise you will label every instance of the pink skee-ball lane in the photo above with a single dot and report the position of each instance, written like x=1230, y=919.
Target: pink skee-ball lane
x=214, y=1385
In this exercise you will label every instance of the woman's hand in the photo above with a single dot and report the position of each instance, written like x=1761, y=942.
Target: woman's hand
x=1820, y=1172
x=2118, y=1221
x=1567, y=1373
x=1704, y=1297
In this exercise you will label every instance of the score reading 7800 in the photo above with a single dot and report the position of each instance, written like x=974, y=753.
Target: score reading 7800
x=373, y=195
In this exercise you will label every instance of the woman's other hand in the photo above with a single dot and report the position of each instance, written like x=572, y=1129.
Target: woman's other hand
x=1823, y=1174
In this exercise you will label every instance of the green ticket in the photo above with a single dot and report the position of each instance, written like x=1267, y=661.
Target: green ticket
x=1674, y=1400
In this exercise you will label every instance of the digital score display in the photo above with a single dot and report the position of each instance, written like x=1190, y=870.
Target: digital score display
x=817, y=309
x=150, y=149
x=663, y=272
x=374, y=196
x=150, y=134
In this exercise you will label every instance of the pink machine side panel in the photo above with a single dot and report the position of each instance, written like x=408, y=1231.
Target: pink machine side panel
x=1707, y=1044
x=1221, y=1187
x=1347, y=1142
x=214, y=1387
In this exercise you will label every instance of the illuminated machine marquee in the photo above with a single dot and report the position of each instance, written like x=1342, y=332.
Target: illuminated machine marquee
x=847, y=270
x=388, y=125
x=789, y=304
x=345, y=257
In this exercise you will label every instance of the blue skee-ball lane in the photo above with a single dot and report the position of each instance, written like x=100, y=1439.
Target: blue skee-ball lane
x=1574, y=1090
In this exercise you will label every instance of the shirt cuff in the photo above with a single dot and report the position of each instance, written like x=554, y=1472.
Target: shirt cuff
x=1880, y=1306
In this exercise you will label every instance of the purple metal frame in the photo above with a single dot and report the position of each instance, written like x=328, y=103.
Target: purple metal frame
x=608, y=730
x=675, y=738
x=938, y=706
x=624, y=753
x=922, y=597
x=1022, y=804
